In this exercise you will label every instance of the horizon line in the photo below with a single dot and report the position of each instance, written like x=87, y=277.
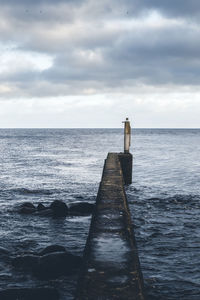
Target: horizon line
x=99, y=128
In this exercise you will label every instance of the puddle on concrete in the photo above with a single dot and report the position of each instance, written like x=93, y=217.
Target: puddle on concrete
x=111, y=216
x=110, y=248
x=110, y=222
x=91, y=270
x=118, y=279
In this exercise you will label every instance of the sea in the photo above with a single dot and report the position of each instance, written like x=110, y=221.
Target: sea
x=43, y=165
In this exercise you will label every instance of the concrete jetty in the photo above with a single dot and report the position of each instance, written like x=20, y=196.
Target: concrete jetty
x=111, y=268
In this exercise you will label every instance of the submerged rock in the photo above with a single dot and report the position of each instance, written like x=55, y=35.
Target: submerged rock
x=81, y=208
x=56, y=264
x=51, y=249
x=27, y=208
x=59, y=208
x=26, y=262
x=29, y=294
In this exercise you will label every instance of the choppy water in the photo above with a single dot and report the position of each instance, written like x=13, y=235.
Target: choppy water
x=42, y=165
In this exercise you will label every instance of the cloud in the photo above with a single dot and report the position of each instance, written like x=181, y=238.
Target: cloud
x=149, y=110
x=178, y=8
x=88, y=47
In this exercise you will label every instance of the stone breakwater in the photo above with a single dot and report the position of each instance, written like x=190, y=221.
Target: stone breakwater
x=111, y=268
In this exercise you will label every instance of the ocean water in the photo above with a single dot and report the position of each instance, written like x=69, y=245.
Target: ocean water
x=42, y=165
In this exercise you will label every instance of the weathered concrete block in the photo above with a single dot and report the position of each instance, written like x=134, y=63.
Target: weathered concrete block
x=126, y=160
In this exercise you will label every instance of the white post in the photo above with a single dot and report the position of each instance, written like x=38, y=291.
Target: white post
x=127, y=135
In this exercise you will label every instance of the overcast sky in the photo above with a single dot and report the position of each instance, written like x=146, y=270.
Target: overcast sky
x=90, y=63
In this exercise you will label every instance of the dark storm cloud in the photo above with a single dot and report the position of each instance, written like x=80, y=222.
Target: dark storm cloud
x=171, y=7
x=101, y=44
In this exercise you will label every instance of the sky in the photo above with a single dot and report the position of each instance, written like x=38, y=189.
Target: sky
x=89, y=63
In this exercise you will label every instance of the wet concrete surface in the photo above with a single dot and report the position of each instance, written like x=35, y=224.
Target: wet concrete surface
x=111, y=268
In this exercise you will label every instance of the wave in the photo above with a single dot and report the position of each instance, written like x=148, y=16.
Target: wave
x=25, y=191
x=177, y=199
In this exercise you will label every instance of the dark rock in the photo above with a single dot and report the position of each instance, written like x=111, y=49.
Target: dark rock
x=81, y=208
x=27, y=208
x=29, y=294
x=57, y=264
x=51, y=249
x=41, y=206
x=27, y=204
x=48, y=212
x=26, y=262
x=59, y=208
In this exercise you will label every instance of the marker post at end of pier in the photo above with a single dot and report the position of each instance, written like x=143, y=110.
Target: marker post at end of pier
x=126, y=158
x=127, y=135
